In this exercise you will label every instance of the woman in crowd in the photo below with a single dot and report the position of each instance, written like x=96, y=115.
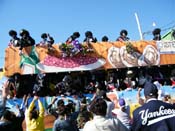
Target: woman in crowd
x=35, y=118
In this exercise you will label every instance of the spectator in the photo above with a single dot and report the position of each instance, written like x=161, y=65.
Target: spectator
x=34, y=118
x=5, y=92
x=83, y=117
x=24, y=104
x=123, y=113
x=90, y=88
x=139, y=98
x=167, y=98
x=5, y=115
x=51, y=109
x=130, y=80
x=6, y=123
x=63, y=122
x=17, y=119
x=100, y=122
x=123, y=36
x=154, y=115
x=77, y=103
x=110, y=104
x=161, y=92
x=9, y=121
x=111, y=84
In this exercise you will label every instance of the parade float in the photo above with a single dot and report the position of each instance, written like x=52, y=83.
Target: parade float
x=104, y=55
x=101, y=56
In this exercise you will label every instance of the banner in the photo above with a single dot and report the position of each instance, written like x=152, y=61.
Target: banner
x=166, y=47
x=102, y=55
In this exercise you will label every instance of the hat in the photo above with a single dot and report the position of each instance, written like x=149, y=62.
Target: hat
x=156, y=31
x=124, y=32
x=150, y=89
x=121, y=102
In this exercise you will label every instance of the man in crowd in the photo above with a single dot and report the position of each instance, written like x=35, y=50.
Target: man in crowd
x=154, y=115
x=100, y=122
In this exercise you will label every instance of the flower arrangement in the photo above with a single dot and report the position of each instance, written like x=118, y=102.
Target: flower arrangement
x=130, y=48
x=65, y=48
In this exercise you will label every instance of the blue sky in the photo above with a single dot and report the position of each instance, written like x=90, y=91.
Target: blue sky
x=61, y=18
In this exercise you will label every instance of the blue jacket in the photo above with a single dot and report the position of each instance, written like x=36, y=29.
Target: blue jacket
x=154, y=115
x=64, y=125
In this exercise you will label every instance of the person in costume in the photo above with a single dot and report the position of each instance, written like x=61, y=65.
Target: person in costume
x=156, y=34
x=26, y=40
x=29, y=56
x=15, y=41
x=123, y=36
x=47, y=41
x=89, y=38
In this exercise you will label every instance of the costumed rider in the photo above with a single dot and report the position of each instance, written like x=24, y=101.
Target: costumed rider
x=14, y=41
x=47, y=41
x=89, y=38
x=30, y=58
x=72, y=46
x=104, y=39
x=26, y=40
x=156, y=34
x=173, y=35
x=123, y=36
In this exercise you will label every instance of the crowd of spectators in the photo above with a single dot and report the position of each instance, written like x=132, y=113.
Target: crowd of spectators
x=80, y=113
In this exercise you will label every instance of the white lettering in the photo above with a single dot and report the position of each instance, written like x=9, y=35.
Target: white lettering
x=166, y=47
x=161, y=114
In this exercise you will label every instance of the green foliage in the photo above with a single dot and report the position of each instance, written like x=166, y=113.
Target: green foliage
x=130, y=48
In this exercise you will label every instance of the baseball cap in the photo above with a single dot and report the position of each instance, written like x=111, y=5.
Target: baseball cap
x=150, y=89
x=121, y=102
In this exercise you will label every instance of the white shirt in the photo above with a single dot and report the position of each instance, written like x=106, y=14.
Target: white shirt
x=100, y=123
x=123, y=116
